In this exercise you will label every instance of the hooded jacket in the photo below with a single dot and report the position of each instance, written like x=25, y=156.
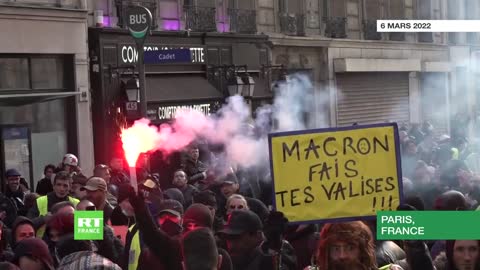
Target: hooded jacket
x=164, y=247
x=19, y=221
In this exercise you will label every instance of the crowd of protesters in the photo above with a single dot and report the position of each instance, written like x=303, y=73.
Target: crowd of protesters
x=205, y=214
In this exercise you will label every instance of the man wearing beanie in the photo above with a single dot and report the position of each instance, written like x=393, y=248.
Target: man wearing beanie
x=197, y=215
x=22, y=228
x=33, y=254
x=208, y=199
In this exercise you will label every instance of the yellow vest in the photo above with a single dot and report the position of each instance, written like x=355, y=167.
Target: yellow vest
x=42, y=205
x=456, y=153
x=135, y=249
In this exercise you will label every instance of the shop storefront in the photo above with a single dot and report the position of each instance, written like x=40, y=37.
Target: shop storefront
x=44, y=102
x=195, y=74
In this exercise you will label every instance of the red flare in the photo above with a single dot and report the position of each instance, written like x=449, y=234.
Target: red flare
x=139, y=138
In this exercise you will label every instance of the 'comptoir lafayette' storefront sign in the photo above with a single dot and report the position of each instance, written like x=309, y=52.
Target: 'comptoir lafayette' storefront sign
x=167, y=112
x=128, y=54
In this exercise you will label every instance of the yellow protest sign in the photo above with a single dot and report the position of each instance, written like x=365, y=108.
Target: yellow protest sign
x=336, y=174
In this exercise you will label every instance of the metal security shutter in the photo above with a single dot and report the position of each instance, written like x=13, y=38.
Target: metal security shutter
x=369, y=98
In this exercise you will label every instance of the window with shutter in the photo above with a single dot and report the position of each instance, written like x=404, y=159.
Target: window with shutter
x=336, y=21
x=396, y=11
x=372, y=13
x=242, y=15
x=292, y=18
x=338, y=8
x=200, y=15
x=169, y=14
x=425, y=13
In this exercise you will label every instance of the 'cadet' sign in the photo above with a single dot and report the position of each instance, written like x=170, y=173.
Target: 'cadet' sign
x=342, y=173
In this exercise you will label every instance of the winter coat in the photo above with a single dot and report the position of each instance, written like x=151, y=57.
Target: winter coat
x=194, y=170
x=167, y=249
x=387, y=252
x=261, y=259
x=110, y=247
x=44, y=186
x=418, y=255
x=304, y=242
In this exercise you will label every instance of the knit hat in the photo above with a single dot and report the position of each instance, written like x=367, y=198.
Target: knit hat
x=198, y=214
x=36, y=248
x=167, y=206
x=20, y=220
x=241, y=221
x=174, y=194
x=205, y=197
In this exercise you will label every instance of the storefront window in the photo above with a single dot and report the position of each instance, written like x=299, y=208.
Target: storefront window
x=32, y=73
x=47, y=73
x=14, y=73
x=48, y=127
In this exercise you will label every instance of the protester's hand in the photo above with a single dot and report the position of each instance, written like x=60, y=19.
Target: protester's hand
x=137, y=200
x=204, y=174
x=275, y=227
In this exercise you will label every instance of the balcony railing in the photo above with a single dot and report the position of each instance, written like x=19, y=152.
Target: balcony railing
x=200, y=19
x=336, y=27
x=370, y=30
x=70, y=4
x=292, y=24
x=122, y=6
x=243, y=21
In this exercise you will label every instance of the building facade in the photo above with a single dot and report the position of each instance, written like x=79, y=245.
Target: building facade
x=44, y=97
x=225, y=56
x=368, y=77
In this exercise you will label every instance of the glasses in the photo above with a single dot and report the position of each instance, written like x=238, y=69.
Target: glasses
x=90, y=208
x=237, y=207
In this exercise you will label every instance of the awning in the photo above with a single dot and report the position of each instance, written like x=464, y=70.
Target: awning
x=180, y=88
x=29, y=98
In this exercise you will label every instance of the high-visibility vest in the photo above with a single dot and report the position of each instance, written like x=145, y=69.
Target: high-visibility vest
x=455, y=153
x=42, y=205
x=135, y=249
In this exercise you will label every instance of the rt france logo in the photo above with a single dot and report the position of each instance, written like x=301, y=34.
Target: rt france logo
x=88, y=225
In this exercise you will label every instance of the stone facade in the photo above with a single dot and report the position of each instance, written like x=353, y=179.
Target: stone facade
x=311, y=34
x=51, y=27
x=317, y=50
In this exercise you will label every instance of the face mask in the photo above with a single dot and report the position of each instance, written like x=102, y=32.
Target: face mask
x=171, y=228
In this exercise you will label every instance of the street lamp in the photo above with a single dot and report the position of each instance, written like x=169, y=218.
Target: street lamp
x=249, y=87
x=132, y=88
x=235, y=85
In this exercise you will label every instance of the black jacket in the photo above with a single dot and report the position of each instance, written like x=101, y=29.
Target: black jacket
x=260, y=259
x=418, y=255
x=194, y=170
x=44, y=186
x=34, y=213
x=164, y=247
x=110, y=247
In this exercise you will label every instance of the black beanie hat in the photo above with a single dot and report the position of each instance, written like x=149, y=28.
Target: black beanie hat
x=206, y=197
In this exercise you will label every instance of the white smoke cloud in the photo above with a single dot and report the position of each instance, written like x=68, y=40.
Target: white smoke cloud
x=244, y=139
